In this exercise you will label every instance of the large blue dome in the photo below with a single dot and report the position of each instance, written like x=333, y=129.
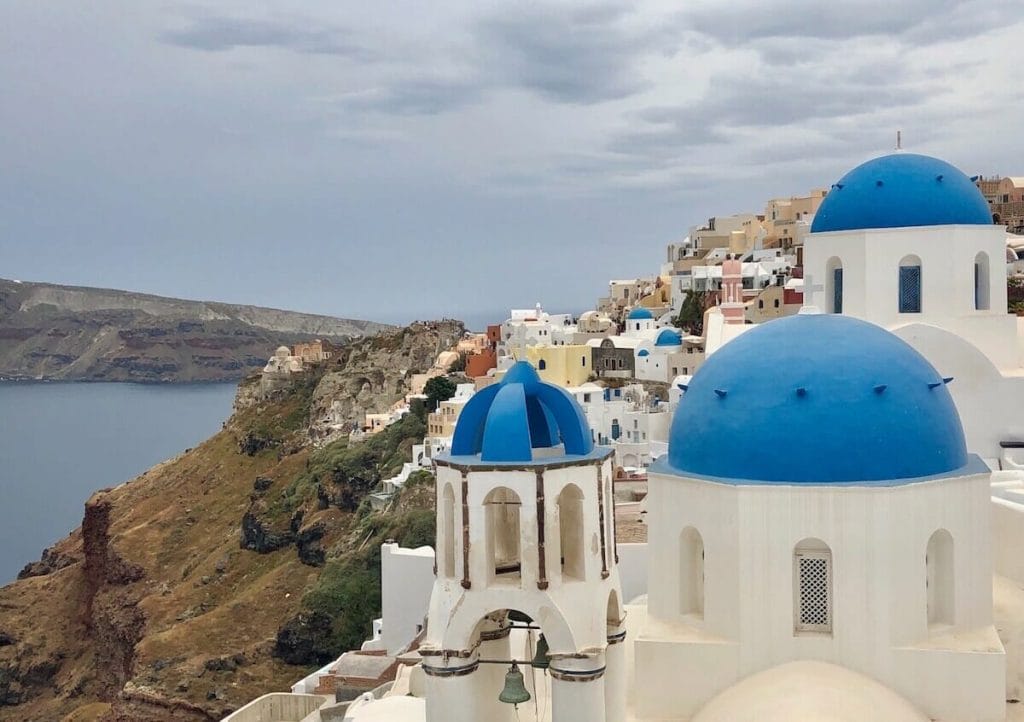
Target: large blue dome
x=506, y=422
x=901, y=190
x=816, y=399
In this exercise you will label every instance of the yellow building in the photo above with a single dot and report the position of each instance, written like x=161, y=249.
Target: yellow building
x=562, y=365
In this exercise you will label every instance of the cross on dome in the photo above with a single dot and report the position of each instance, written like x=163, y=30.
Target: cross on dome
x=810, y=289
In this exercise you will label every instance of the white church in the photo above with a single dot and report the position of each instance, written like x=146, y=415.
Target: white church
x=823, y=540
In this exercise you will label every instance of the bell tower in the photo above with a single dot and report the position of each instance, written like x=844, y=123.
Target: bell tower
x=527, y=579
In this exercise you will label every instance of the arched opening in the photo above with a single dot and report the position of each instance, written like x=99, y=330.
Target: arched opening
x=570, y=532
x=910, y=285
x=812, y=587
x=616, y=430
x=834, y=285
x=982, y=292
x=448, y=530
x=501, y=508
x=939, y=565
x=541, y=365
x=691, y=572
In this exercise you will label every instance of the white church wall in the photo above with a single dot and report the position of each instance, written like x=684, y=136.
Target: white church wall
x=407, y=577
x=633, y=570
x=879, y=590
x=871, y=260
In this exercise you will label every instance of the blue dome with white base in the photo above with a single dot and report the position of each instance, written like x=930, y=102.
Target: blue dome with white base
x=901, y=190
x=508, y=421
x=669, y=337
x=816, y=399
x=640, y=313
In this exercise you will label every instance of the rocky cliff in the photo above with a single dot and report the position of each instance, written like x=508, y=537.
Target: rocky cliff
x=229, y=571
x=88, y=334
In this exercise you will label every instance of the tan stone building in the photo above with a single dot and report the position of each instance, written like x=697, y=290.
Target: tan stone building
x=1005, y=198
x=788, y=220
x=315, y=351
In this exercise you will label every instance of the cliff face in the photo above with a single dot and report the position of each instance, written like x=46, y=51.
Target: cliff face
x=74, y=334
x=189, y=591
x=370, y=376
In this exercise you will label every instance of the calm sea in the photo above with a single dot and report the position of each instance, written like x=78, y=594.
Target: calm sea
x=60, y=442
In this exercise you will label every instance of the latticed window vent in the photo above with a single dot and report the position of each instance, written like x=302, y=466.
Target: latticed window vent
x=813, y=576
x=910, y=289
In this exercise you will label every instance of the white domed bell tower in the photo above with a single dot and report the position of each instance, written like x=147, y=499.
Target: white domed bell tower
x=527, y=580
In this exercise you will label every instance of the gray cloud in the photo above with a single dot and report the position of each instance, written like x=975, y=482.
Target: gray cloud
x=738, y=23
x=219, y=34
x=568, y=54
x=415, y=96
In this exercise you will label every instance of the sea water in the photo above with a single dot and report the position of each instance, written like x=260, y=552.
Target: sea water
x=59, y=442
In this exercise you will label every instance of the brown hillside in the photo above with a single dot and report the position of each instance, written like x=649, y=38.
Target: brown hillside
x=184, y=590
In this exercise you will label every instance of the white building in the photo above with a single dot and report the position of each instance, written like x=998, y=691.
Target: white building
x=867, y=546
x=533, y=327
x=906, y=241
x=525, y=542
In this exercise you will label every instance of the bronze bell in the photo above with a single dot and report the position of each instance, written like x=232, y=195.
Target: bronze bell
x=540, y=659
x=514, y=691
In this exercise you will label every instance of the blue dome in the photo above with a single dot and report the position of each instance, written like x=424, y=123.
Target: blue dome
x=816, y=399
x=507, y=421
x=668, y=337
x=639, y=313
x=901, y=190
x=643, y=352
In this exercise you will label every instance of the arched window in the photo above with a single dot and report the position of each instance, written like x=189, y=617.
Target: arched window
x=448, y=530
x=570, y=532
x=812, y=587
x=541, y=365
x=834, y=285
x=938, y=561
x=501, y=508
x=982, y=292
x=910, y=285
x=691, y=572
x=760, y=303
x=616, y=430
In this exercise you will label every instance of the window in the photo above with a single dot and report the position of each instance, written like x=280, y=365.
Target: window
x=542, y=365
x=910, y=285
x=982, y=293
x=691, y=572
x=812, y=587
x=501, y=509
x=448, y=527
x=583, y=361
x=570, y=529
x=938, y=561
x=760, y=303
x=834, y=285
x=776, y=302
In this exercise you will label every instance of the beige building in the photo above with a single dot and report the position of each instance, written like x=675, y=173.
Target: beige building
x=315, y=351
x=1005, y=198
x=788, y=220
x=740, y=233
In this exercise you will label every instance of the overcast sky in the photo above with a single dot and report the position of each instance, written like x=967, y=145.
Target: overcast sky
x=411, y=160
